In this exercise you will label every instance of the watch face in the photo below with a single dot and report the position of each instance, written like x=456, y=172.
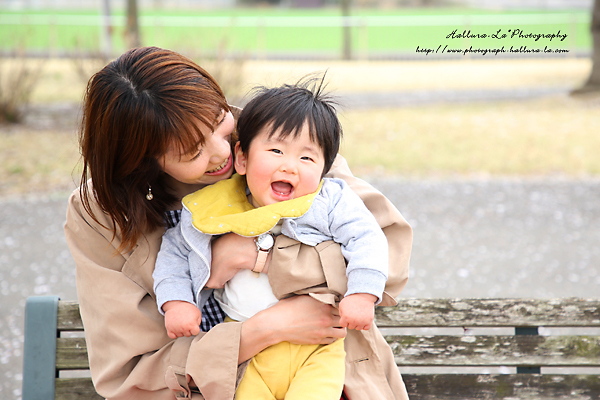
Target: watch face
x=265, y=241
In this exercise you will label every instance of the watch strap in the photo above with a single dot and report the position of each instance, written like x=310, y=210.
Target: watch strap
x=261, y=261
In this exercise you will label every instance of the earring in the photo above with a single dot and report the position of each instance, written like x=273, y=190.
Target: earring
x=149, y=196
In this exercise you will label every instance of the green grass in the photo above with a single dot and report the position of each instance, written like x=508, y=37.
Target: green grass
x=257, y=40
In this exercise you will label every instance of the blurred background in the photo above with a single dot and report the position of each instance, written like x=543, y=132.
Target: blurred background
x=479, y=120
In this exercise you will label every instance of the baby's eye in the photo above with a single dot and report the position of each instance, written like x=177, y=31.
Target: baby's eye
x=306, y=158
x=277, y=151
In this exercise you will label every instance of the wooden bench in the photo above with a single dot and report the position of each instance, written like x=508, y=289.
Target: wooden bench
x=445, y=348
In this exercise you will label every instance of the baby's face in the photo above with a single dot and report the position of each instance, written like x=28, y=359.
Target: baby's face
x=279, y=169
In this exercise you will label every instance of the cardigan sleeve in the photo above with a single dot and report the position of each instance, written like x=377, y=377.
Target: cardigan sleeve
x=172, y=278
x=294, y=267
x=397, y=231
x=130, y=354
x=364, y=244
x=182, y=265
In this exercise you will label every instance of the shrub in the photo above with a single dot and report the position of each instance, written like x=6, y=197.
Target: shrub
x=18, y=78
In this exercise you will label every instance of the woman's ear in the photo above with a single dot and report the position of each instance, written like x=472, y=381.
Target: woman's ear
x=240, y=160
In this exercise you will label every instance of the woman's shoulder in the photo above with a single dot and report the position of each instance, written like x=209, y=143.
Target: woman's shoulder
x=85, y=216
x=83, y=202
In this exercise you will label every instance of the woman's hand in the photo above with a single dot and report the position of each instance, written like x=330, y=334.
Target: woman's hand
x=298, y=319
x=230, y=253
x=304, y=320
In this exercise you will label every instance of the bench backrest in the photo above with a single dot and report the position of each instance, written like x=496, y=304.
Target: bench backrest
x=449, y=364
x=526, y=342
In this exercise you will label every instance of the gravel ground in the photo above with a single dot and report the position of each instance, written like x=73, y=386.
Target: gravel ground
x=492, y=238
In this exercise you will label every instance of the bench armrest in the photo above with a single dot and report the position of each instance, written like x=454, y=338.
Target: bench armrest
x=39, y=353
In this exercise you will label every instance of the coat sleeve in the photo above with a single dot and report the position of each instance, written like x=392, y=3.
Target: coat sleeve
x=130, y=354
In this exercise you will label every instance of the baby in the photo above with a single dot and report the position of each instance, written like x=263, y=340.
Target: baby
x=288, y=139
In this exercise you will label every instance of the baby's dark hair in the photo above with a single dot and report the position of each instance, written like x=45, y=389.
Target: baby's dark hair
x=289, y=107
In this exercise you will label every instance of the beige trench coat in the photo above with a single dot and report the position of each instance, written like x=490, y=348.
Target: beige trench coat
x=131, y=356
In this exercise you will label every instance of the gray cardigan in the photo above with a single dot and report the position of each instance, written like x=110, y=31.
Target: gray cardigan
x=337, y=213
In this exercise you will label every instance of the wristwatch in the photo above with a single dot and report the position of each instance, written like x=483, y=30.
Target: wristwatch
x=264, y=245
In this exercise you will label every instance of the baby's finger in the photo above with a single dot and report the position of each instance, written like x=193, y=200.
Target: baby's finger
x=343, y=322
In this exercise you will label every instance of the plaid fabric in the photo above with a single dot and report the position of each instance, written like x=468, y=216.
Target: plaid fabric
x=211, y=312
x=172, y=218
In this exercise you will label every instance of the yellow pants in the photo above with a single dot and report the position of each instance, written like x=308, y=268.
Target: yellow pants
x=291, y=371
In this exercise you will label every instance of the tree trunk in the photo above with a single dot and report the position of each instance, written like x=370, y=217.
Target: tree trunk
x=346, y=32
x=593, y=82
x=106, y=30
x=132, y=30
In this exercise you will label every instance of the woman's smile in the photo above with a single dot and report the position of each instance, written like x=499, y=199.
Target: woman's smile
x=223, y=168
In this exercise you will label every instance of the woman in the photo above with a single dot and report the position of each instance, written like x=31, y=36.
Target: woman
x=157, y=127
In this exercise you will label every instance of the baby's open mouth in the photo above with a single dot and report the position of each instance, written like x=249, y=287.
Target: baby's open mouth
x=282, y=188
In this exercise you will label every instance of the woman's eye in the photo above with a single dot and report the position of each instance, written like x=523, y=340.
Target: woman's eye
x=197, y=154
x=221, y=118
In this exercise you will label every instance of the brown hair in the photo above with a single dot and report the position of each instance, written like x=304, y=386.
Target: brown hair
x=134, y=109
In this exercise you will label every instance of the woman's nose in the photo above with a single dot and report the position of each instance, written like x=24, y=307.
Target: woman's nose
x=218, y=147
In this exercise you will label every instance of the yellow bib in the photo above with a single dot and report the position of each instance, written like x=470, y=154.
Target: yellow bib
x=224, y=207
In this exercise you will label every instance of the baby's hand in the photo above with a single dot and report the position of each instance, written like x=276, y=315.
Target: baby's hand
x=182, y=319
x=357, y=311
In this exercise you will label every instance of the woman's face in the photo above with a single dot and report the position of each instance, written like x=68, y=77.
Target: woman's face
x=211, y=163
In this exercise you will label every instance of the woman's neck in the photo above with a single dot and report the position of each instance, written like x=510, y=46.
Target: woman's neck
x=180, y=190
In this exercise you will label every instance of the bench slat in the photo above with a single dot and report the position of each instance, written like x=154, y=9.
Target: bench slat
x=490, y=313
x=69, y=318
x=482, y=350
x=559, y=351
x=522, y=387
x=75, y=389
x=71, y=353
